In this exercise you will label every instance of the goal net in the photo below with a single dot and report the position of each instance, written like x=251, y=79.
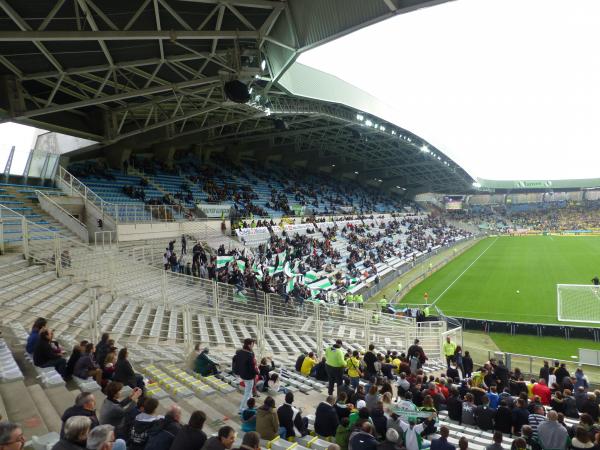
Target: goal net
x=578, y=303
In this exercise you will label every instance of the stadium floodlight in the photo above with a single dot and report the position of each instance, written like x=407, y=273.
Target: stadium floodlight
x=382, y=128
x=250, y=90
x=368, y=123
x=476, y=184
x=393, y=132
x=268, y=111
x=333, y=165
x=263, y=64
x=425, y=149
x=355, y=172
x=360, y=117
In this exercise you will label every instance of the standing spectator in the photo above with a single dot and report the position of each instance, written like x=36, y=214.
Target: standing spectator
x=369, y=359
x=223, y=440
x=449, y=348
x=326, y=418
x=545, y=372
x=551, y=434
x=412, y=432
x=536, y=419
x=484, y=415
x=520, y=416
x=244, y=365
x=497, y=445
x=354, y=372
x=102, y=349
x=467, y=365
x=334, y=357
x=85, y=405
x=503, y=419
x=442, y=442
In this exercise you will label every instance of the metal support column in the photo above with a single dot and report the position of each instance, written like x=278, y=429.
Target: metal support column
x=319, y=339
x=94, y=315
x=188, y=335
x=1, y=234
x=163, y=287
x=112, y=274
x=260, y=335
x=57, y=256
x=215, y=299
x=25, y=237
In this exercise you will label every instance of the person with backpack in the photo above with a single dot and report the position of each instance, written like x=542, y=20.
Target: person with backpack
x=244, y=366
x=145, y=424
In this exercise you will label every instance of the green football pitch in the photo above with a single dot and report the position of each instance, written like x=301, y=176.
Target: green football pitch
x=483, y=282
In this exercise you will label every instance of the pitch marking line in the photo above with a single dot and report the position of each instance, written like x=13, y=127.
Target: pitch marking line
x=463, y=272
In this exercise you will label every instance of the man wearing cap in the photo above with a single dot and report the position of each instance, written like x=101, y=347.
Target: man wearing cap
x=335, y=365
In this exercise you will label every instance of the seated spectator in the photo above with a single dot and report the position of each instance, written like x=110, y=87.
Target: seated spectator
x=582, y=439
x=124, y=372
x=341, y=406
x=308, y=363
x=86, y=366
x=250, y=441
x=78, y=350
x=326, y=418
x=38, y=326
x=145, y=423
x=342, y=434
x=442, y=442
x=163, y=437
x=536, y=419
x=85, y=405
x=363, y=438
x=291, y=419
x=109, y=363
x=11, y=436
x=551, y=434
x=520, y=416
x=468, y=410
x=249, y=416
x=103, y=438
x=570, y=405
x=454, y=405
x=392, y=441
x=102, y=349
x=223, y=440
x=74, y=434
x=204, y=365
x=114, y=409
x=463, y=443
x=45, y=355
x=379, y=420
x=497, y=444
x=412, y=432
x=267, y=422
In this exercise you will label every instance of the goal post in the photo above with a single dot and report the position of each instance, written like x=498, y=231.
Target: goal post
x=578, y=303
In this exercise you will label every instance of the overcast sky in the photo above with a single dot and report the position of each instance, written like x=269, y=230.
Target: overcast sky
x=22, y=137
x=510, y=89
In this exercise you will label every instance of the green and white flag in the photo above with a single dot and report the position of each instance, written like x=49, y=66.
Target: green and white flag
x=241, y=264
x=222, y=260
x=287, y=270
x=311, y=276
x=290, y=284
x=322, y=284
x=280, y=260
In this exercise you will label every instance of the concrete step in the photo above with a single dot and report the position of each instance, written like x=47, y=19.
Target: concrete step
x=61, y=398
x=50, y=415
x=21, y=408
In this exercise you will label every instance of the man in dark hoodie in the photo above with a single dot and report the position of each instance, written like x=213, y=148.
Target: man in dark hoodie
x=326, y=418
x=85, y=405
x=145, y=424
x=163, y=437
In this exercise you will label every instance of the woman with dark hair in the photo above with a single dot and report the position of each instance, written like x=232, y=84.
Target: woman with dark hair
x=124, y=372
x=102, y=349
x=191, y=436
x=86, y=366
x=114, y=409
x=44, y=355
x=244, y=365
x=39, y=324
x=267, y=422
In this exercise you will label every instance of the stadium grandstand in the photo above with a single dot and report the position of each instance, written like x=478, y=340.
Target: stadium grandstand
x=199, y=254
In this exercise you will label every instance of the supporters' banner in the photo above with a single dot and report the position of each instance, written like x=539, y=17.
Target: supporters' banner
x=298, y=210
x=280, y=260
x=296, y=228
x=222, y=260
x=407, y=414
x=322, y=284
x=287, y=270
x=241, y=264
x=242, y=232
x=290, y=284
x=311, y=276
x=214, y=211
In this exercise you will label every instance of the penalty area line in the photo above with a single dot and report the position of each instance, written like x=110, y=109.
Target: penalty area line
x=463, y=272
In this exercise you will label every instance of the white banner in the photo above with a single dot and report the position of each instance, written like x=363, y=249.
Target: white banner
x=214, y=211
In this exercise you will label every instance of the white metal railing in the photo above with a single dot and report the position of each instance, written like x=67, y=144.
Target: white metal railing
x=63, y=216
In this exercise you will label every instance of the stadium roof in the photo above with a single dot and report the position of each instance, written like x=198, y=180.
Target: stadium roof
x=150, y=73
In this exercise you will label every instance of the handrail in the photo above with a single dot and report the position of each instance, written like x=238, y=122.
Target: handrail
x=71, y=222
